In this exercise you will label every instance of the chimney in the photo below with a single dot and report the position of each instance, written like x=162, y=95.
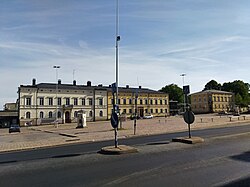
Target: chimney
x=89, y=83
x=59, y=81
x=99, y=85
x=139, y=87
x=127, y=86
x=74, y=82
x=33, y=82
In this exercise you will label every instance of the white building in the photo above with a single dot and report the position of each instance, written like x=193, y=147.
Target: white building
x=39, y=103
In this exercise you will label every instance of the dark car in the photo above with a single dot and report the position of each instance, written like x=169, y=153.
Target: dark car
x=14, y=128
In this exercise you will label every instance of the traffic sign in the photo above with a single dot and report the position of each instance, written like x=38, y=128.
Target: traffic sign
x=189, y=117
x=186, y=89
x=114, y=120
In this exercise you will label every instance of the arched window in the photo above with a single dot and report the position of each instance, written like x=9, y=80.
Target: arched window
x=101, y=113
x=59, y=114
x=27, y=115
x=50, y=114
x=41, y=115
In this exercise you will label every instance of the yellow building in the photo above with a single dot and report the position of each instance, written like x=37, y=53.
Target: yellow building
x=209, y=101
x=148, y=102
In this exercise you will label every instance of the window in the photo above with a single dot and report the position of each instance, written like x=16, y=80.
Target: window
x=28, y=101
x=151, y=111
x=124, y=101
x=90, y=113
x=161, y=110
x=59, y=114
x=141, y=101
x=59, y=101
x=75, y=114
x=101, y=101
x=151, y=101
x=50, y=114
x=146, y=111
x=101, y=113
x=75, y=101
x=41, y=114
x=50, y=101
x=90, y=102
x=67, y=101
x=225, y=99
x=222, y=99
x=27, y=115
x=166, y=102
x=41, y=101
x=214, y=98
x=130, y=111
x=119, y=101
x=218, y=98
x=146, y=101
x=166, y=111
x=124, y=111
x=83, y=101
x=156, y=110
x=156, y=102
x=130, y=101
x=160, y=102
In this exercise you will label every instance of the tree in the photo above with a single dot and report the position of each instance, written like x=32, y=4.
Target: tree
x=175, y=92
x=241, y=91
x=212, y=85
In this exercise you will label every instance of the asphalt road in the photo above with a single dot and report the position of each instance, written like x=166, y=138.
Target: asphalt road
x=223, y=160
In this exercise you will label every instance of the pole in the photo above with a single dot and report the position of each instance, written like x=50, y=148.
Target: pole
x=56, y=67
x=184, y=98
x=116, y=62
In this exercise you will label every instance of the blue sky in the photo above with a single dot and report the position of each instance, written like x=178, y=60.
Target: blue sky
x=160, y=39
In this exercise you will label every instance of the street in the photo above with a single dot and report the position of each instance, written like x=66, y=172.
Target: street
x=222, y=160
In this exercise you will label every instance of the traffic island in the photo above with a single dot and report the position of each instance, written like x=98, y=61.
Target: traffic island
x=187, y=140
x=120, y=149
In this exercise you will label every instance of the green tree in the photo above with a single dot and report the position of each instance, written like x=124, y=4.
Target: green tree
x=212, y=85
x=241, y=91
x=175, y=92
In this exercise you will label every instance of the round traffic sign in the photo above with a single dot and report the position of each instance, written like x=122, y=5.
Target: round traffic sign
x=189, y=117
x=114, y=120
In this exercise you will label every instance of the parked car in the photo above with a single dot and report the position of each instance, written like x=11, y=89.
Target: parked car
x=148, y=116
x=14, y=128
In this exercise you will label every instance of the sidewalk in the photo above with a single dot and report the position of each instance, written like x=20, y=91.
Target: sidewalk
x=48, y=135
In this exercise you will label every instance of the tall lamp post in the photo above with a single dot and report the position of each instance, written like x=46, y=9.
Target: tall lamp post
x=56, y=68
x=184, y=99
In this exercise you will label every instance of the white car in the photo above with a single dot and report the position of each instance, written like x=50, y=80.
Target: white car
x=148, y=116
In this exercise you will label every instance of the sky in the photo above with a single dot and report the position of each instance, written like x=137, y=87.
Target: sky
x=160, y=40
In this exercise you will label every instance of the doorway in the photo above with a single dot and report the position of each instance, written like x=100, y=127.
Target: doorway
x=67, y=117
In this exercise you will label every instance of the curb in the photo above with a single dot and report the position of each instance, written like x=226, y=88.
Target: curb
x=121, y=149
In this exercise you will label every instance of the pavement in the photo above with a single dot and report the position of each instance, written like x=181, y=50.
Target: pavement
x=34, y=137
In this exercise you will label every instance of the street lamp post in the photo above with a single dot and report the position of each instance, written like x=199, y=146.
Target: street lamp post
x=56, y=68
x=184, y=99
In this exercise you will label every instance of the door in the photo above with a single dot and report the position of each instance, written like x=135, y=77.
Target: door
x=67, y=117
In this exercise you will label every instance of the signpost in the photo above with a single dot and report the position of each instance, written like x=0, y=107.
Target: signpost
x=114, y=116
x=189, y=119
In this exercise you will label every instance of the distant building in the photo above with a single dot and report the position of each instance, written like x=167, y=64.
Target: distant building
x=38, y=103
x=210, y=101
x=9, y=115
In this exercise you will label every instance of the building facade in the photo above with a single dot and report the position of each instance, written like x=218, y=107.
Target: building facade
x=46, y=103
x=210, y=101
x=146, y=101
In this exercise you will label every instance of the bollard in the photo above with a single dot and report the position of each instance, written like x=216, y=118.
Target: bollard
x=201, y=120
x=244, y=117
x=238, y=118
x=230, y=118
x=212, y=119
